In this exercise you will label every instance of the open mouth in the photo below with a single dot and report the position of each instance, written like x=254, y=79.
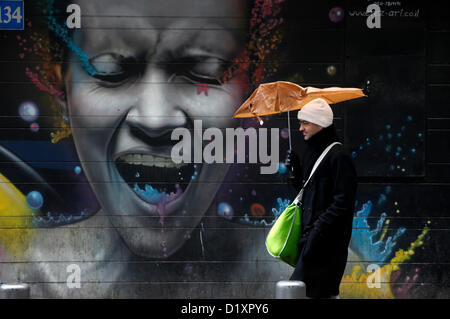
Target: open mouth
x=156, y=180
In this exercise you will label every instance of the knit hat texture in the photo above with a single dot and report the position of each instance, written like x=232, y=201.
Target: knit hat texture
x=317, y=111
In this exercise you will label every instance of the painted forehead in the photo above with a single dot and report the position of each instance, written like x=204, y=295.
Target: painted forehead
x=215, y=26
x=164, y=8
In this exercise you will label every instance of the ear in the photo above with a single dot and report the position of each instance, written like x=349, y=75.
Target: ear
x=61, y=98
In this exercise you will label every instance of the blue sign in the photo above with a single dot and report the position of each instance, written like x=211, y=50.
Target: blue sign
x=11, y=15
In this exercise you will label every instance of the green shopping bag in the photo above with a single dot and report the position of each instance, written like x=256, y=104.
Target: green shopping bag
x=282, y=240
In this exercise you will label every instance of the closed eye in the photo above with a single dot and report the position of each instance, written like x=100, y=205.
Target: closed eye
x=201, y=69
x=114, y=69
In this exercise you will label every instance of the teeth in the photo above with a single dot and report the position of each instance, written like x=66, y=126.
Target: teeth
x=148, y=160
x=137, y=159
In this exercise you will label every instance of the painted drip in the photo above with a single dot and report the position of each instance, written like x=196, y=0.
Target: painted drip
x=153, y=196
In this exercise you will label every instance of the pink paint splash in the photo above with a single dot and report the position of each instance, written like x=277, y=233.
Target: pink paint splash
x=404, y=285
x=202, y=87
x=47, y=87
x=264, y=38
x=159, y=198
x=34, y=44
x=161, y=208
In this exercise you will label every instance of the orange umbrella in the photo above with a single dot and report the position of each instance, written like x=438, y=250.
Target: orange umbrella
x=281, y=96
x=278, y=97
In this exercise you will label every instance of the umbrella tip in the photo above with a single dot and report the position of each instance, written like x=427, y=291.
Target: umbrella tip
x=260, y=120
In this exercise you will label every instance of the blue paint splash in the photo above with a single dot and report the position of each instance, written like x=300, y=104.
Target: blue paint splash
x=160, y=199
x=364, y=240
x=63, y=34
x=50, y=221
x=282, y=205
x=276, y=212
x=153, y=196
x=382, y=199
x=394, y=145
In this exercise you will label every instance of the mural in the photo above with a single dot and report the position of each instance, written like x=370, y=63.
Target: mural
x=91, y=204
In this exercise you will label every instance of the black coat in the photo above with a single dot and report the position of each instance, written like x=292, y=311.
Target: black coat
x=328, y=208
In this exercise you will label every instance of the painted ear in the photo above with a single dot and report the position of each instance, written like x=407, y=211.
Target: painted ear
x=61, y=96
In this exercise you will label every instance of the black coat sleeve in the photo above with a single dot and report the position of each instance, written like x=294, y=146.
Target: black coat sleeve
x=295, y=171
x=344, y=183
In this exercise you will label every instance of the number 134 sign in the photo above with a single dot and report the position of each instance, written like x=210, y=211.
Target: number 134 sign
x=11, y=15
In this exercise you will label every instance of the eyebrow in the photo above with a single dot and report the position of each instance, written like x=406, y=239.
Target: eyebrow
x=205, y=42
x=191, y=50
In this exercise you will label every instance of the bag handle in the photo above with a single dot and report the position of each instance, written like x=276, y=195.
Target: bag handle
x=299, y=197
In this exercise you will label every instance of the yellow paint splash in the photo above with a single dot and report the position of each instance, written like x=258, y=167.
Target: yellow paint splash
x=63, y=132
x=385, y=228
x=16, y=227
x=355, y=285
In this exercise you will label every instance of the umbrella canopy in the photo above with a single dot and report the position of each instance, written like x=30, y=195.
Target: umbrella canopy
x=278, y=97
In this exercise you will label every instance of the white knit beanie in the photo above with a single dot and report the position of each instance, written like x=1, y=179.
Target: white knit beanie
x=317, y=111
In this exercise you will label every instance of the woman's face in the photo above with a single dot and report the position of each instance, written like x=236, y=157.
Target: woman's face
x=150, y=57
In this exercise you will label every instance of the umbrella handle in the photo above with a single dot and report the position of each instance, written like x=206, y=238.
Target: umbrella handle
x=289, y=130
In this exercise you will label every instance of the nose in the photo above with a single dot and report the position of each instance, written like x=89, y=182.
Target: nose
x=156, y=113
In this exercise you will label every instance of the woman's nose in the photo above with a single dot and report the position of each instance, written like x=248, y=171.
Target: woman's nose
x=156, y=112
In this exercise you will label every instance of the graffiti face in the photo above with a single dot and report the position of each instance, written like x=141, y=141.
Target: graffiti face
x=148, y=71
